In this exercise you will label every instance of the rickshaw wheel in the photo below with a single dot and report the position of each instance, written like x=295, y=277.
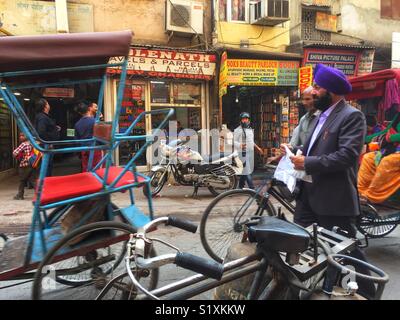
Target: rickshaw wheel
x=73, y=281
x=98, y=236
x=367, y=220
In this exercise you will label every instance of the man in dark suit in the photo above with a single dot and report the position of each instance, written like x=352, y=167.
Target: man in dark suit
x=330, y=155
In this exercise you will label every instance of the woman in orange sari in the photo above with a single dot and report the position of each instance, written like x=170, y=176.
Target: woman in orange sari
x=379, y=174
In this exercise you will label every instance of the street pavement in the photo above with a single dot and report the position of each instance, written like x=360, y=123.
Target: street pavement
x=15, y=217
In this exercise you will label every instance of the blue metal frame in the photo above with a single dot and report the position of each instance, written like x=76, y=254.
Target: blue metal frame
x=39, y=224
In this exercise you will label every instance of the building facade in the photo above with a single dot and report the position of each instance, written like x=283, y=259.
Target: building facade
x=354, y=30
x=257, y=74
x=172, y=64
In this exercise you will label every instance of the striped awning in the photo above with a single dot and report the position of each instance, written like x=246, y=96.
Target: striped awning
x=317, y=3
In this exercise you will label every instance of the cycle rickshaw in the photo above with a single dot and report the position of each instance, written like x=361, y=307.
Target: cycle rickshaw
x=28, y=62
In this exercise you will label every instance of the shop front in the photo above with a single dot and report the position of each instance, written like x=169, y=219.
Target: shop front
x=7, y=129
x=163, y=78
x=268, y=90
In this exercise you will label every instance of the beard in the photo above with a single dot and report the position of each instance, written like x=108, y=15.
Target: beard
x=323, y=102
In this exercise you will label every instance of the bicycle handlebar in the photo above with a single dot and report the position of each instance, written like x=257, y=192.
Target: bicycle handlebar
x=207, y=267
x=182, y=224
x=172, y=221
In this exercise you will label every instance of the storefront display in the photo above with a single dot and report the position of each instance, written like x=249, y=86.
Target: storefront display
x=133, y=104
x=6, y=147
x=263, y=88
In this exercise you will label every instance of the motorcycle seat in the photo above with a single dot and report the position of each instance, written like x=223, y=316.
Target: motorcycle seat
x=275, y=234
x=217, y=156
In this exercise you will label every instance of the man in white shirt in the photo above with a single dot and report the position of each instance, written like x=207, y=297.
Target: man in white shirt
x=243, y=137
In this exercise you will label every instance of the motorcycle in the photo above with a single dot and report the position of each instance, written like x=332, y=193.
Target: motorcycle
x=189, y=168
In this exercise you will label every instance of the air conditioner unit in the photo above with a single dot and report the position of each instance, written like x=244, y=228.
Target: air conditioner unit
x=184, y=17
x=269, y=12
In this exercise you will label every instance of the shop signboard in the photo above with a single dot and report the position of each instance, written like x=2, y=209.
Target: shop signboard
x=347, y=61
x=246, y=72
x=168, y=64
x=366, y=62
x=326, y=22
x=223, y=75
x=305, y=78
x=59, y=92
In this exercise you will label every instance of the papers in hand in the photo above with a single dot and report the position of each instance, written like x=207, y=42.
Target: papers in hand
x=286, y=172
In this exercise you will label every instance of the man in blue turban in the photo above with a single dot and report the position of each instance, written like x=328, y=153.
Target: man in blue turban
x=330, y=155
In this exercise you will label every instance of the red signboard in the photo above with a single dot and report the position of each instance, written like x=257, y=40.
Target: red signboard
x=168, y=64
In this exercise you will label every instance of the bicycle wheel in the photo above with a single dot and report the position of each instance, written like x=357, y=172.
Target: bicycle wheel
x=79, y=279
x=372, y=225
x=94, y=258
x=122, y=288
x=222, y=223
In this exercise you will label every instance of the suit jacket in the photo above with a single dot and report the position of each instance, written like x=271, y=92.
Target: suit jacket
x=333, y=162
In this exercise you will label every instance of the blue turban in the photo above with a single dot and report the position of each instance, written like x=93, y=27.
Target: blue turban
x=331, y=79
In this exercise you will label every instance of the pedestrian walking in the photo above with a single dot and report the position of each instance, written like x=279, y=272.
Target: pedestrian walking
x=243, y=137
x=25, y=171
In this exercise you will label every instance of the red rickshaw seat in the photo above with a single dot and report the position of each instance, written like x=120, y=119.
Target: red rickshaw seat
x=127, y=178
x=71, y=186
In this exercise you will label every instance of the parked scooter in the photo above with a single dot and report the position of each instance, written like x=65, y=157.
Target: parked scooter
x=189, y=168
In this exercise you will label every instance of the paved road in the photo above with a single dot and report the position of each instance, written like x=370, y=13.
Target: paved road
x=384, y=253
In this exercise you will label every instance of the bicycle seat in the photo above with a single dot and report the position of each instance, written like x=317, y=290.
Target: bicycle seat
x=275, y=234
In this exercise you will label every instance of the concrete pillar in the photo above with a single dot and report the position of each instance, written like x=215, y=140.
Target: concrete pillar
x=62, y=16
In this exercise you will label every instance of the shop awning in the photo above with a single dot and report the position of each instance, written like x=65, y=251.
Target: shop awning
x=21, y=53
x=373, y=84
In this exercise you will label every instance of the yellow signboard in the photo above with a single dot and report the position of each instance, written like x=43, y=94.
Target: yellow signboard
x=246, y=72
x=223, y=75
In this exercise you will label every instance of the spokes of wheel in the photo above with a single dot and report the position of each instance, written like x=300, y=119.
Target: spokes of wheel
x=85, y=259
x=223, y=221
x=375, y=226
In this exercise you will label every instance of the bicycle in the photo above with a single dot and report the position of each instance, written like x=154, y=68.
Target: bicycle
x=286, y=256
x=231, y=210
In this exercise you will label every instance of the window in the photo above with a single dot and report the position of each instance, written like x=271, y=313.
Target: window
x=308, y=31
x=160, y=92
x=222, y=10
x=175, y=93
x=238, y=10
x=187, y=93
x=390, y=9
x=233, y=10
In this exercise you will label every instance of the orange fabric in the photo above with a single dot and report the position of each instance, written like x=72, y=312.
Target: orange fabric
x=378, y=183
